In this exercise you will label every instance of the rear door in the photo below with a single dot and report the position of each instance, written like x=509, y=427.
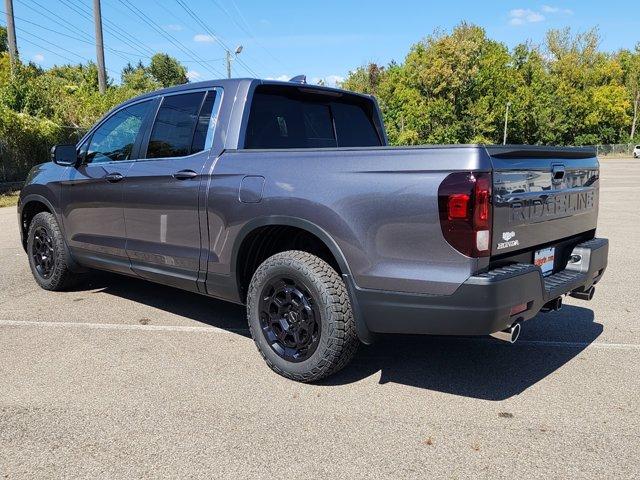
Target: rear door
x=164, y=188
x=542, y=195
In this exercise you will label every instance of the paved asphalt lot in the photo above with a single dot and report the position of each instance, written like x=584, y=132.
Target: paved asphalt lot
x=126, y=379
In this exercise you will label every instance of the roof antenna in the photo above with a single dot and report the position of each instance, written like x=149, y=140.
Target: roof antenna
x=299, y=79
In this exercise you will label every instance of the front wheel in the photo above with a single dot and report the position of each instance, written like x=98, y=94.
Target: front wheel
x=48, y=254
x=300, y=316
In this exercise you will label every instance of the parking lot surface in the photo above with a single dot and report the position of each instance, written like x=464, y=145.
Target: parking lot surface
x=126, y=379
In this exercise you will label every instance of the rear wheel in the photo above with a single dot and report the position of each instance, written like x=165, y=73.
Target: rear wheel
x=300, y=316
x=48, y=255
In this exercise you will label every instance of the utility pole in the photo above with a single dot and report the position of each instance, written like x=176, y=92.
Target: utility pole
x=11, y=33
x=102, y=75
x=506, y=121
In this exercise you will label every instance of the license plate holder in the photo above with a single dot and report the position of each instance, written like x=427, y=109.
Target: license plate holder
x=545, y=259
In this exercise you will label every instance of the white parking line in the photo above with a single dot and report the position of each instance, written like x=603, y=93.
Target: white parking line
x=211, y=329
x=122, y=326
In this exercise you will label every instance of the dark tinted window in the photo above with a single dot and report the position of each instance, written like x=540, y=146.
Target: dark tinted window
x=288, y=118
x=354, y=126
x=114, y=139
x=175, y=124
x=278, y=121
x=202, y=128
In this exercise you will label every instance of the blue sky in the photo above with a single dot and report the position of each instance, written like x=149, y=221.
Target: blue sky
x=282, y=38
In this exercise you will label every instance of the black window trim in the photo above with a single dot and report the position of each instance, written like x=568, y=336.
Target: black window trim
x=144, y=144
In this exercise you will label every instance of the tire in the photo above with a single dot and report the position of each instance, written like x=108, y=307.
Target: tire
x=318, y=299
x=52, y=273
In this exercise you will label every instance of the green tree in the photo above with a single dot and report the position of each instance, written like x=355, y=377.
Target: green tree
x=630, y=63
x=3, y=39
x=454, y=88
x=167, y=71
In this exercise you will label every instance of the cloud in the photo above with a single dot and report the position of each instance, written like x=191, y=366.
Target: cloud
x=194, y=75
x=38, y=58
x=521, y=16
x=204, y=38
x=281, y=78
x=552, y=9
x=174, y=27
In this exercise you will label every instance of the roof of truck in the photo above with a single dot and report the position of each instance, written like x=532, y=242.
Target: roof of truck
x=233, y=83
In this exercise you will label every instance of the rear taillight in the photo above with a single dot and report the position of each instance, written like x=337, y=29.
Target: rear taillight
x=464, y=200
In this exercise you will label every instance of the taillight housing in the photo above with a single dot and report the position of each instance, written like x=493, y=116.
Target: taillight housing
x=464, y=201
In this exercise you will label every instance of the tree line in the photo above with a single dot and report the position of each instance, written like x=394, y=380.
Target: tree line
x=41, y=107
x=455, y=87
x=451, y=88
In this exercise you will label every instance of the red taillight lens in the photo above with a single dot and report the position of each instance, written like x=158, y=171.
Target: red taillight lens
x=458, y=206
x=481, y=211
x=464, y=200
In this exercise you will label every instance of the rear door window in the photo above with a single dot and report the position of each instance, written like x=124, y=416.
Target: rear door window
x=180, y=127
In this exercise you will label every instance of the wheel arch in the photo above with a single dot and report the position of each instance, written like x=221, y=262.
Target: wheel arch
x=241, y=248
x=30, y=206
x=286, y=221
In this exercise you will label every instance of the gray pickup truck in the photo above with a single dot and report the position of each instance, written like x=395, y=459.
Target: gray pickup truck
x=284, y=197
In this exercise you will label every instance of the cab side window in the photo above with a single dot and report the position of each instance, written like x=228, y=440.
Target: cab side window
x=181, y=125
x=115, y=138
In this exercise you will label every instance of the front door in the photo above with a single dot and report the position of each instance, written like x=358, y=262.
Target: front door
x=92, y=192
x=164, y=204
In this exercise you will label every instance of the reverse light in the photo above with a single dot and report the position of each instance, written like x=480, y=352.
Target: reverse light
x=464, y=200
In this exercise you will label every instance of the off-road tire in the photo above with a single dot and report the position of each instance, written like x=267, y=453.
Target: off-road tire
x=61, y=277
x=338, y=339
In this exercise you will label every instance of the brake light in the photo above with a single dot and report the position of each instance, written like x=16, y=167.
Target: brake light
x=464, y=200
x=458, y=206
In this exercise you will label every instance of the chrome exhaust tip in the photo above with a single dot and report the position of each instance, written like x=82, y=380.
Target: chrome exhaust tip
x=510, y=334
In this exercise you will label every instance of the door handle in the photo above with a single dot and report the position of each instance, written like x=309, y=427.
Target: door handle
x=114, y=177
x=185, y=175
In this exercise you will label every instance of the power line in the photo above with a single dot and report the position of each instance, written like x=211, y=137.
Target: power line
x=113, y=28
x=63, y=20
x=213, y=35
x=60, y=48
x=245, y=28
x=120, y=53
x=140, y=14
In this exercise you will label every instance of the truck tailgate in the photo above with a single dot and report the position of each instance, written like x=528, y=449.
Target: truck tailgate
x=541, y=195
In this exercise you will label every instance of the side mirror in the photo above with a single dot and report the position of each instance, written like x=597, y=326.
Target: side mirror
x=64, y=155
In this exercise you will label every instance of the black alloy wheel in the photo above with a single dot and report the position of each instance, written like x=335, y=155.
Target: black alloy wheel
x=43, y=252
x=289, y=318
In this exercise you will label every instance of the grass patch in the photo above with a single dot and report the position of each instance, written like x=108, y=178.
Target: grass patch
x=9, y=199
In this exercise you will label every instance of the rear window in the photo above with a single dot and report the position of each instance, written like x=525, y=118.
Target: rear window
x=283, y=118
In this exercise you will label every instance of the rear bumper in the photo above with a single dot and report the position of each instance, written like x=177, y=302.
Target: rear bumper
x=482, y=304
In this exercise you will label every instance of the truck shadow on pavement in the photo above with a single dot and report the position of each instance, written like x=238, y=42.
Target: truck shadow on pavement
x=477, y=367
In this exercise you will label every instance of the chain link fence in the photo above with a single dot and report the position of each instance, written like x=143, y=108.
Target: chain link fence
x=618, y=150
